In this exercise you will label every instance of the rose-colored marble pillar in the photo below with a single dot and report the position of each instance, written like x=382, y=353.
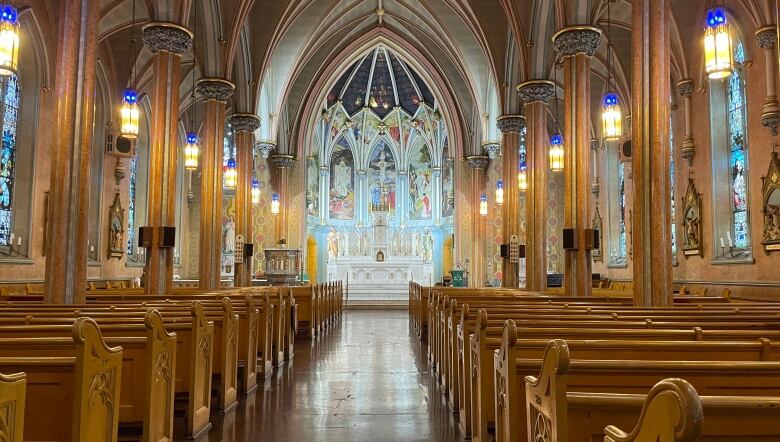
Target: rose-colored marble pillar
x=685, y=89
x=68, y=208
x=478, y=165
x=167, y=41
x=216, y=91
x=244, y=126
x=282, y=164
x=535, y=94
x=766, y=39
x=651, y=229
x=577, y=45
x=510, y=126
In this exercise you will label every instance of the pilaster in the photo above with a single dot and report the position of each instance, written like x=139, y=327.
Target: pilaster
x=478, y=165
x=510, y=126
x=244, y=127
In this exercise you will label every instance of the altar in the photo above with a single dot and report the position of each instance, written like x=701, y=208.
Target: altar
x=380, y=280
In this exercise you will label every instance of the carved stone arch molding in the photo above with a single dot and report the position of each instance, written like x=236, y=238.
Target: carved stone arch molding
x=691, y=222
x=771, y=206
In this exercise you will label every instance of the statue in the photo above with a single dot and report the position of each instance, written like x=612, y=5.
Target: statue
x=229, y=237
x=772, y=222
x=691, y=231
x=116, y=239
x=691, y=224
x=333, y=244
x=344, y=243
x=427, y=245
x=380, y=256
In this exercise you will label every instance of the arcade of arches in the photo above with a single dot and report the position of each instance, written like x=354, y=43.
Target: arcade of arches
x=572, y=148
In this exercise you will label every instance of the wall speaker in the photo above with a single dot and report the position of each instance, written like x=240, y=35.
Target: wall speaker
x=505, y=250
x=145, y=236
x=167, y=237
x=249, y=250
x=569, y=239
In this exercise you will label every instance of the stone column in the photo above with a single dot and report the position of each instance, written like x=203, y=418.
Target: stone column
x=68, y=209
x=535, y=94
x=282, y=163
x=651, y=229
x=577, y=44
x=167, y=41
x=766, y=39
x=244, y=126
x=324, y=192
x=478, y=165
x=510, y=126
x=216, y=92
x=685, y=89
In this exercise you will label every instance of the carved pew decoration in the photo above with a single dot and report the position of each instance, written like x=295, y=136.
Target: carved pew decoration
x=672, y=412
x=12, y=394
x=771, y=206
x=158, y=420
x=199, y=404
x=546, y=394
x=691, y=222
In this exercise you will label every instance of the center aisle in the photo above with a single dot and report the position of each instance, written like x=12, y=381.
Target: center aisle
x=361, y=382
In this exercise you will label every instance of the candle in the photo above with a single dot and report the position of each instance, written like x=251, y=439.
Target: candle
x=728, y=235
x=12, y=238
x=19, y=241
x=722, y=244
x=91, y=249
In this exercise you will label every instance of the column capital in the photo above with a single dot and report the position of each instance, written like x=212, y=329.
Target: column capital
x=536, y=91
x=581, y=39
x=491, y=148
x=266, y=147
x=282, y=161
x=766, y=37
x=478, y=162
x=167, y=37
x=243, y=122
x=770, y=119
x=215, y=88
x=508, y=124
x=685, y=87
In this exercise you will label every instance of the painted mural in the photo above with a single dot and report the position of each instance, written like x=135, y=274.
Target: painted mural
x=341, y=201
x=382, y=177
x=420, y=182
x=313, y=185
x=447, y=185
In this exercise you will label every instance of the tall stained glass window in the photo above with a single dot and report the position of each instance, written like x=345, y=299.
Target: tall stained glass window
x=622, y=206
x=10, y=109
x=673, y=207
x=131, y=207
x=737, y=118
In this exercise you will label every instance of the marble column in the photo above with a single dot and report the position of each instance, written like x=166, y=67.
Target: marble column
x=282, y=164
x=324, y=193
x=577, y=45
x=216, y=92
x=535, y=94
x=651, y=219
x=478, y=165
x=68, y=207
x=510, y=126
x=685, y=89
x=167, y=41
x=766, y=39
x=244, y=127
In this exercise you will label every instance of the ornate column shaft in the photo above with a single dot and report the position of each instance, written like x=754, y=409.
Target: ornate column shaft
x=282, y=163
x=535, y=95
x=478, y=165
x=244, y=127
x=168, y=41
x=766, y=39
x=68, y=210
x=685, y=89
x=216, y=91
x=510, y=126
x=577, y=44
x=651, y=229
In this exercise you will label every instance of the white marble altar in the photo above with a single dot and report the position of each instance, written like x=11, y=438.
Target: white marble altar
x=386, y=280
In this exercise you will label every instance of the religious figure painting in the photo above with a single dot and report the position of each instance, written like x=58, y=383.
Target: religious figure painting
x=420, y=183
x=448, y=186
x=382, y=178
x=771, y=210
x=313, y=186
x=341, y=200
x=116, y=246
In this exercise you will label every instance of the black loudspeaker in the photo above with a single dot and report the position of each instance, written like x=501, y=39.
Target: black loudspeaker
x=627, y=148
x=145, y=236
x=522, y=251
x=167, y=237
x=569, y=239
x=591, y=239
x=249, y=250
x=505, y=250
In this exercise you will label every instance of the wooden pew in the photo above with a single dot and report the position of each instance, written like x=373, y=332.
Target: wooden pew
x=86, y=384
x=582, y=416
x=12, y=395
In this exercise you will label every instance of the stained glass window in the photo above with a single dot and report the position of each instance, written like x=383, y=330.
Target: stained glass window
x=622, y=206
x=737, y=147
x=10, y=109
x=131, y=207
x=673, y=208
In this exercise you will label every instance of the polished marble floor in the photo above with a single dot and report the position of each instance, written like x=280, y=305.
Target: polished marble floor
x=364, y=381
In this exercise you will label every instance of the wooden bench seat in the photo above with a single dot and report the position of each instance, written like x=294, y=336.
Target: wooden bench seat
x=13, y=388
x=85, y=382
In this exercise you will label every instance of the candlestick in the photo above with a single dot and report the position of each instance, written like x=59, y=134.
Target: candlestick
x=722, y=243
x=728, y=235
x=19, y=241
x=12, y=238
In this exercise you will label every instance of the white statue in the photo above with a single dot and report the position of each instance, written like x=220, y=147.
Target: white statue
x=382, y=166
x=229, y=237
x=342, y=178
x=333, y=244
x=416, y=244
x=344, y=244
x=427, y=245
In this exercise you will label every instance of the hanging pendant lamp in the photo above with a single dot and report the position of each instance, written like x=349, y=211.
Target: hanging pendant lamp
x=231, y=174
x=556, y=153
x=130, y=113
x=275, y=206
x=611, y=114
x=255, y=191
x=499, y=192
x=191, y=152
x=483, y=207
x=9, y=39
x=522, y=174
x=718, y=55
